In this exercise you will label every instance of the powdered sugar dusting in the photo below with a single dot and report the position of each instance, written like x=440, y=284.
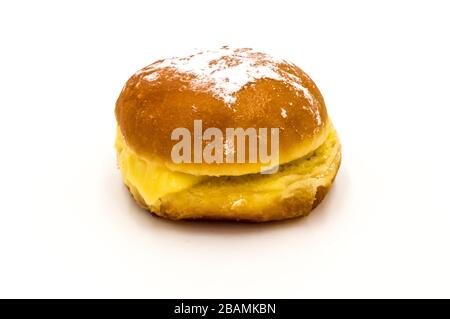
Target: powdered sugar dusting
x=225, y=71
x=317, y=116
x=238, y=202
x=315, y=113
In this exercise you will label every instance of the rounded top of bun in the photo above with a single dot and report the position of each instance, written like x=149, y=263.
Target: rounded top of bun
x=224, y=88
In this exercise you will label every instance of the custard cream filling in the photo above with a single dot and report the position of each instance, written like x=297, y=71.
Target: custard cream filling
x=152, y=181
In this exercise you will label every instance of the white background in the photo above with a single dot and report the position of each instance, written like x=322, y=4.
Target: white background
x=68, y=227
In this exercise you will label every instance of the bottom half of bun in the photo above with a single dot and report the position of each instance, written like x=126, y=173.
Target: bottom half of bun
x=297, y=188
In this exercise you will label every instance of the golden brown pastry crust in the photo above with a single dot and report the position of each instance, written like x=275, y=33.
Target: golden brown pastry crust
x=264, y=93
x=150, y=107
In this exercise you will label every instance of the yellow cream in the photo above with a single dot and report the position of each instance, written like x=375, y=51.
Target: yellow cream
x=150, y=179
